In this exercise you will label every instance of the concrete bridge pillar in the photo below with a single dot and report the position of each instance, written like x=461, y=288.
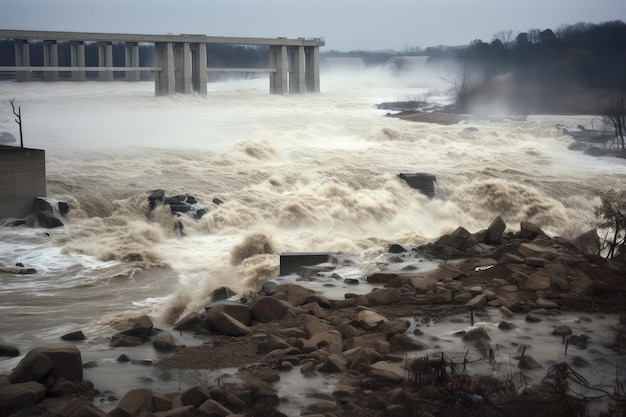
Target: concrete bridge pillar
x=297, y=78
x=50, y=59
x=279, y=80
x=312, y=69
x=131, y=55
x=77, y=55
x=105, y=59
x=22, y=59
x=198, y=68
x=182, y=63
x=165, y=79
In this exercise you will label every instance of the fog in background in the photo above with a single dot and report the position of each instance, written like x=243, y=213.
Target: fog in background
x=345, y=25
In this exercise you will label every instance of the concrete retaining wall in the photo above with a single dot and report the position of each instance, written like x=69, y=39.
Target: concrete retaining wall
x=22, y=178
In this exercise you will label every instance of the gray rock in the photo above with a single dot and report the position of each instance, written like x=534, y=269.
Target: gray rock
x=528, y=363
x=562, y=331
x=10, y=351
x=164, y=342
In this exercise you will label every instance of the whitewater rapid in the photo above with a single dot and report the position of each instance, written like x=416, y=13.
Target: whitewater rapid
x=314, y=172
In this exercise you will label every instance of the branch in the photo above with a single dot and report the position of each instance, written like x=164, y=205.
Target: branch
x=12, y=101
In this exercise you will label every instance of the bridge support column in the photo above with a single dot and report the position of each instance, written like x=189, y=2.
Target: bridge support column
x=165, y=79
x=279, y=80
x=22, y=59
x=131, y=55
x=182, y=62
x=50, y=59
x=297, y=80
x=77, y=55
x=198, y=68
x=313, y=69
x=105, y=59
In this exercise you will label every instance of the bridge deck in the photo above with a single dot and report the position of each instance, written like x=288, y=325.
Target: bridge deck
x=129, y=37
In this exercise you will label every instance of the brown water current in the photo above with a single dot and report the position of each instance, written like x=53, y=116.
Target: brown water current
x=315, y=172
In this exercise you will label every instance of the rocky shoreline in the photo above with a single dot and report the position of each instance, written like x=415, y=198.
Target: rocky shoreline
x=362, y=339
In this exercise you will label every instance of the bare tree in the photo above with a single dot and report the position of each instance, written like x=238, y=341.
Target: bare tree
x=18, y=114
x=398, y=64
x=611, y=216
x=504, y=36
x=615, y=117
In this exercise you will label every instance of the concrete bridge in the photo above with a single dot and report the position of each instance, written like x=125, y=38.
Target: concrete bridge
x=180, y=60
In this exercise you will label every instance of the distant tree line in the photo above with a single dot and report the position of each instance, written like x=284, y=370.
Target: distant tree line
x=537, y=70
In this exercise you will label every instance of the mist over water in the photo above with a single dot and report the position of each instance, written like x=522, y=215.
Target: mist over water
x=316, y=172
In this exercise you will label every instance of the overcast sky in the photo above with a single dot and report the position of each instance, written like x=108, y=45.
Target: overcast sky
x=344, y=24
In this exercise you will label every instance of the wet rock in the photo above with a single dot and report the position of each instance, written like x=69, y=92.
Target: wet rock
x=74, y=336
x=562, y=331
x=381, y=277
x=9, y=351
x=189, y=322
x=222, y=293
x=334, y=364
x=266, y=309
x=476, y=334
x=530, y=231
x=383, y=296
x=532, y=318
x=510, y=258
x=270, y=343
x=164, y=342
x=211, y=408
x=477, y=302
x=57, y=361
x=134, y=402
x=495, y=230
x=17, y=396
x=547, y=304
x=504, y=325
x=49, y=220
x=537, y=262
x=120, y=340
x=397, y=248
x=580, y=341
x=294, y=294
x=226, y=324
x=62, y=387
x=528, y=363
x=195, y=395
x=402, y=342
x=370, y=320
x=388, y=371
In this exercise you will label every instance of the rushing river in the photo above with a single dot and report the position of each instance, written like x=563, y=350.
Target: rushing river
x=315, y=172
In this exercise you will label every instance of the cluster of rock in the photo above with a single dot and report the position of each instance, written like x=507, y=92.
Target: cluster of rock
x=363, y=337
x=181, y=204
x=48, y=373
x=50, y=212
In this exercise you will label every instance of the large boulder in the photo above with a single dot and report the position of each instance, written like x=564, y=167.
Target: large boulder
x=15, y=397
x=226, y=324
x=294, y=294
x=56, y=361
x=164, y=342
x=48, y=220
x=134, y=402
x=267, y=309
x=383, y=296
x=11, y=351
x=495, y=230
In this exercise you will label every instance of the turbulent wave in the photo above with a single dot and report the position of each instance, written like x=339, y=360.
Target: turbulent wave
x=295, y=173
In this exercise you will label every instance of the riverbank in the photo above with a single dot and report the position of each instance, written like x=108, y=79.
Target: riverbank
x=377, y=350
